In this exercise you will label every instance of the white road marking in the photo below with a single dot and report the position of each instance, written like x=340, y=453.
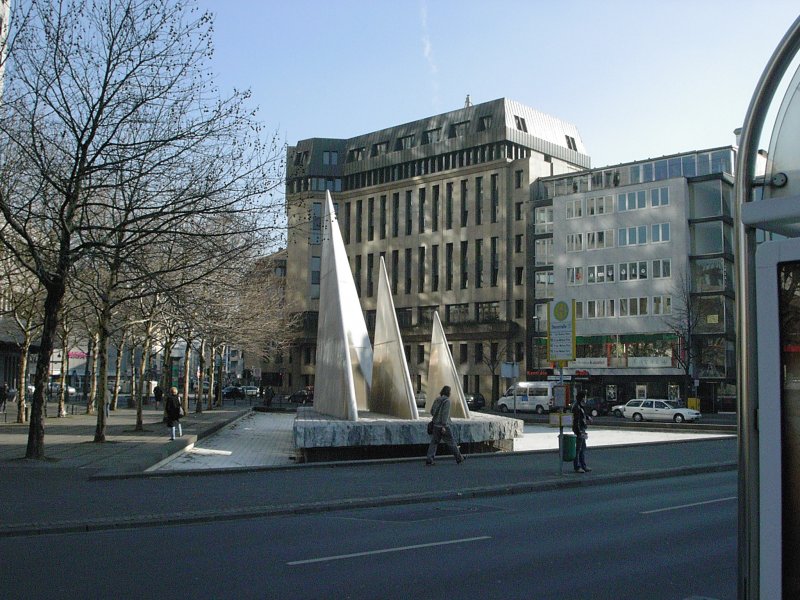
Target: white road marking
x=385, y=550
x=658, y=510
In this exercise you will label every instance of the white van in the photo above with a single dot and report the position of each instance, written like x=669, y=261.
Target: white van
x=535, y=396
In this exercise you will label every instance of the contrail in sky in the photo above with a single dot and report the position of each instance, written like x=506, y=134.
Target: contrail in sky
x=427, y=51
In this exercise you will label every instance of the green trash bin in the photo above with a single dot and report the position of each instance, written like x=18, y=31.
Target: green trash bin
x=568, y=447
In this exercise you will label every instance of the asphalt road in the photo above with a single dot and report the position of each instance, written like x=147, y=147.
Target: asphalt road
x=671, y=539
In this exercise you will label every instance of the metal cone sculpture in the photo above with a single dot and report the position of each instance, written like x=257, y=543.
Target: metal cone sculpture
x=442, y=371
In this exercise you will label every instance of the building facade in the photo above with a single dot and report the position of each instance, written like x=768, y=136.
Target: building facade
x=444, y=201
x=646, y=251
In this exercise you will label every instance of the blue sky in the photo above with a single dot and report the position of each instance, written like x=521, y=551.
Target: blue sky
x=639, y=79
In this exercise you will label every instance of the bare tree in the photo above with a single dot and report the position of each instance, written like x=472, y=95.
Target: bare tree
x=97, y=93
x=684, y=320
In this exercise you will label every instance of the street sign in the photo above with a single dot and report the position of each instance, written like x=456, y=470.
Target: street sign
x=561, y=330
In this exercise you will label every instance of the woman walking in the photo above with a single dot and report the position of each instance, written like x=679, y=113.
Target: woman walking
x=174, y=412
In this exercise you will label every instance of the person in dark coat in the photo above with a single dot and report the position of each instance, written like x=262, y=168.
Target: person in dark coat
x=580, y=423
x=174, y=412
x=158, y=394
x=442, y=427
x=3, y=396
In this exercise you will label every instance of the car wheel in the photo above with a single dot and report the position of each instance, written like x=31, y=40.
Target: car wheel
x=637, y=417
x=617, y=413
x=539, y=409
x=503, y=408
x=594, y=412
x=678, y=418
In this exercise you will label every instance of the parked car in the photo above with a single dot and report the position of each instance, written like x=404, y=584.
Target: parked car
x=475, y=401
x=658, y=410
x=597, y=406
x=618, y=409
x=54, y=389
x=232, y=391
x=301, y=397
x=421, y=398
x=250, y=390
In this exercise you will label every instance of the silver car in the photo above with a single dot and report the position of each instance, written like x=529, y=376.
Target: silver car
x=658, y=410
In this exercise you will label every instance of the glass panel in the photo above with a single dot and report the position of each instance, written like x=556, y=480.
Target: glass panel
x=689, y=166
x=706, y=199
x=661, y=169
x=706, y=238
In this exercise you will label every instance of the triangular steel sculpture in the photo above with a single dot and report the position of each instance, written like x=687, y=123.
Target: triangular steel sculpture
x=344, y=354
x=392, y=392
x=442, y=371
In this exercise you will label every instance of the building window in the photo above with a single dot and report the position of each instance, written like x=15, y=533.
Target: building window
x=435, y=268
x=631, y=201
x=330, y=157
x=409, y=219
x=382, y=218
x=380, y=148
x=370, y=219
x=571, y=142
x=659, y=196
x=519, y=273
x=659, y=232
x=357, y=274
x=420, y=354
x=495, y=258
x=543, y=217
x=574, y=242
x=346, y=222
x=478, y=263
x=518, y=211
x=495, y=192
x=457, y=313
x=431, y=136
x=464, y=265
x=359, y=218
x=519, y=309
x=421, y=209
x=662, y=268
x=408, y=270
x=370, y=268
x=575, y=208
x=521, y=124
x=485, y=123
x=599, y=205
x=463, y=352
x=395, y=269
x=597, y=240
x=518, y=243
x=487, y=312
x=517, y=179
x=395, y=214
x=435, y=209
x=662, y=305
x=448, y=267
x=448, y=206
x=478, y=199
x=405, y=142
x=421, y=269
x=464, y=206
x=632, y=236
x=574, y=275
x=315, y=268
x=478, y=353
x=425, y=314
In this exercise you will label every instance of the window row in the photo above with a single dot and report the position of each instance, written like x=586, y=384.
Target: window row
x=627, y=271
x=626, y=236
x=638, y=200
x=642, y=306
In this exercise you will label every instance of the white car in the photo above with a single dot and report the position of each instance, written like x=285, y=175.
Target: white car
x=250, y=390
x=657, y=410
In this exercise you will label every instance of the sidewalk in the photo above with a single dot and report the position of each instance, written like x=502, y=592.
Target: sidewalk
x=68, y=441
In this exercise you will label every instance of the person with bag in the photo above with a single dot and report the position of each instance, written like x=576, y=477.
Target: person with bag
x=580, y=423
x=440, y=428
x=173, y=412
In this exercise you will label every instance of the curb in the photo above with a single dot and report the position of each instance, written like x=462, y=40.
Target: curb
x=569, y=481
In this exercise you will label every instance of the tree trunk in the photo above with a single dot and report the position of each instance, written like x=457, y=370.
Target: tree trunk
x=90, y=379
x=212, y=378
x=22, y=378
x=101, y=378
x=201, y=378
x=62, y=394
x=118, y=367
x=144, y=381
x=52, y=306
x=187, y=356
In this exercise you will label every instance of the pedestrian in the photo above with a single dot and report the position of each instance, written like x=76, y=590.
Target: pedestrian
x=158, y=393
x=174, y=412
x=442, y=427
x=3, y=396
x=269, y=395
x=580, y=423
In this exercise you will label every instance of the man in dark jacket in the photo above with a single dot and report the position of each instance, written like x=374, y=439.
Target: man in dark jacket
x=442, y=427
x=580, y=423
